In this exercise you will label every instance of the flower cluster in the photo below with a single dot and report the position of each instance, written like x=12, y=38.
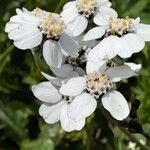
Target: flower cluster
x=87, y=63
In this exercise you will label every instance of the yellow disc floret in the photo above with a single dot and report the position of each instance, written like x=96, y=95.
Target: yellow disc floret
x=119, y=26
x=86, y=7
x=51, y=25
x=98, y=83
x=37, y=12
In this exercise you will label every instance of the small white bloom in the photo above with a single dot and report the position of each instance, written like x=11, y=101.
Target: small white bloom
x=31, y=29
x=98, y=81
x=132, y=146
x=121, y=37
x=71, y=109
x=77, y=13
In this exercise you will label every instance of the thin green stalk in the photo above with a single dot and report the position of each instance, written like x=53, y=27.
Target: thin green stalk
x=60, y=5
x=127, y=133
x=35, y=59
x=133, y=139
x=4, y=118
x=6, y=52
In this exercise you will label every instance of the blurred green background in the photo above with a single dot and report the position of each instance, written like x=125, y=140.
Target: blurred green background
x=21, y=127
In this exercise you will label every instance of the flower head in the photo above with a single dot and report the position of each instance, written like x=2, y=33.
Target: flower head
x=30, y=29
x=100, y=83
x=76, y=14
x=58, y=106
x=86, y=7
x=121, y=37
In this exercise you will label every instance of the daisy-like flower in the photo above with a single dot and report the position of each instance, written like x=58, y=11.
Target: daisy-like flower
x=30, y=29
x=99, y=83
x=56, y=106
x=77, y=13
x=121, y=37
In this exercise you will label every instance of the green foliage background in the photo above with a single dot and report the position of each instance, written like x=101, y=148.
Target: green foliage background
x=21, y=127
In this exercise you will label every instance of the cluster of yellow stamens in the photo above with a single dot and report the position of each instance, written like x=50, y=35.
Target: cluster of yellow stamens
x=51, y=25
x=119, y=26
x=98, y=83
x=37, y=12
x=86, y=7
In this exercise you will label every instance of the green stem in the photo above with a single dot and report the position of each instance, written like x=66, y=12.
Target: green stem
x=118, y=61
x=126, y=132
x=133, y=139
x=35, y=59
x=6, y=52
x=60, y=5
x=5, y=119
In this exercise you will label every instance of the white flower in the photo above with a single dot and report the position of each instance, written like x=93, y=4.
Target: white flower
x=77, y=13
x=59, y=107
x=38, y=27
x=121, y=37
x=100, y=82
x=132, y=146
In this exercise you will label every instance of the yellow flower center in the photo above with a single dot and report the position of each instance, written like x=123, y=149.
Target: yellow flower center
x=37, y=12
x=98, y=83
x=119, y=26
x=51, y=26
x=86, y=7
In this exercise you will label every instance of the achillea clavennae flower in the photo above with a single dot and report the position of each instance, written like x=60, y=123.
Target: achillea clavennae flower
x=57, y=106
x=96, y=83
x=121, y=37
x=77, y=13
x=30, y=29
x=85, y=68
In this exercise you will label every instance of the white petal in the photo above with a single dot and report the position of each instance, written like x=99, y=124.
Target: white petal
x=69, y=14
x=46, y=92
x=69, y=45
x=90, y=44
x=82, y=106
x=134, y=67
x=11, y=26
x=64, y=71
x=143, y=30
x=73, y=87
x=69, y=4
x=119, y=73
x=108, y=48
x=94, y=33
x=116, y=104
x=51, y=113
x=28, y=16
x=17, y=19
x=26, y=37
x=69, y=124
x=93, y=56
x=92, y=67
x=108, y=11
x=54, y=80
x=78, y=26
x=136, y=21
x=101, y=20
x=102, y=2
x=130, y=43
x=52, y=53
x=103, y=15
